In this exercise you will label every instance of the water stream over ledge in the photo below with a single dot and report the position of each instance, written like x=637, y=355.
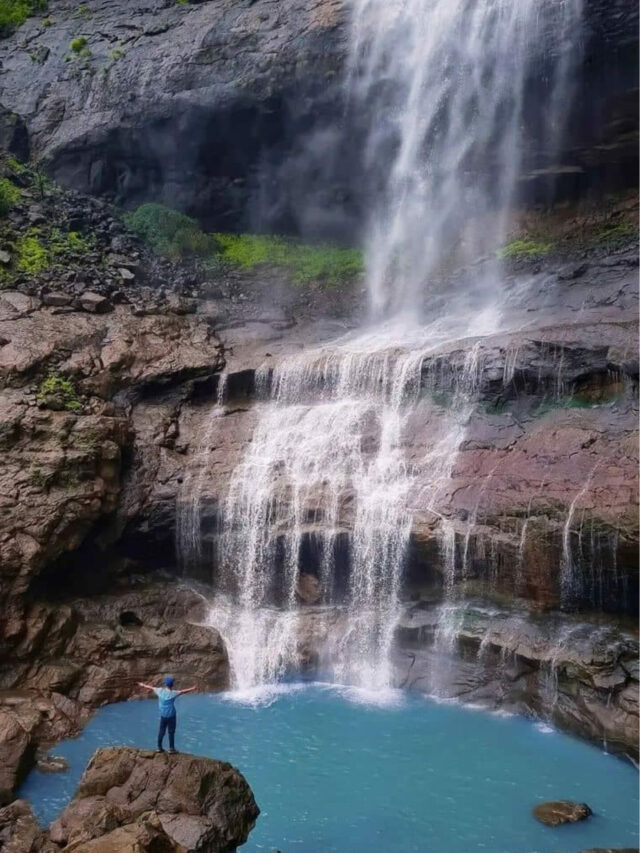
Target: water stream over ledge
x=341, y=770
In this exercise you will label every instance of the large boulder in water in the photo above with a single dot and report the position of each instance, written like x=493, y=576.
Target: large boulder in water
x=198, y=803
x=562, y=811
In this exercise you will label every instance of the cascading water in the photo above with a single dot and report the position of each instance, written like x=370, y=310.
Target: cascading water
x=442, y=85
x=327, y=454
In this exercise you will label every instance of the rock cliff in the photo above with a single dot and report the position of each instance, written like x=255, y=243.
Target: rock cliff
x=234, y=111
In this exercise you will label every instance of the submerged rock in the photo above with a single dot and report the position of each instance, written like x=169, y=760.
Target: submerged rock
x=555, y=813
x=128, y=798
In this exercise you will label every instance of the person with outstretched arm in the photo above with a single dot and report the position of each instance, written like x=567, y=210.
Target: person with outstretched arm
x=166, y=702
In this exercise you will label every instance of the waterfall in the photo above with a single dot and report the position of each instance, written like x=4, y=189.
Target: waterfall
x=326, y=460
x=324, y=488
x=443, y=85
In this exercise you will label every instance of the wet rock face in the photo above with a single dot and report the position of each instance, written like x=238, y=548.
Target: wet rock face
x=197, y=803
x=580, y=675
x=228, y=110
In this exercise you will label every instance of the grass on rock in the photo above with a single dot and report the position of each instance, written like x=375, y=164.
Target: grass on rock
x=175, y=235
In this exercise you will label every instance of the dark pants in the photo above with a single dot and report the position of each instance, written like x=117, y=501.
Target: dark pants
x=167, y=724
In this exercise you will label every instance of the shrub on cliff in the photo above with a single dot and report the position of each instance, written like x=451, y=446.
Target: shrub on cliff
x=9, y=195
x=58, y=393
x=13, y=13
x=169, y=232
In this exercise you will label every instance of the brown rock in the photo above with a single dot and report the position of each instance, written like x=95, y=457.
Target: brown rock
x=95, y=304
x=555, y=813
x=16, y=749
x=201, y=804
x=57, y=300
x=146, y=835
x=19, y=831
x=308, y=589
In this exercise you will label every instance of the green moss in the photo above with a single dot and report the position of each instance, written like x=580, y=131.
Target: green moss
x=330, y=264
x=525, y=249
x=57, y=392
x=32, y=254
x=615, y=233
x=570, y=402
x=13, y=13
x=37, y=478
x=10, y=195
x=116, y=54
x=16, y=166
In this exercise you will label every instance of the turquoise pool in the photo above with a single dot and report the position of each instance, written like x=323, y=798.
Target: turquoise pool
x=336, y=770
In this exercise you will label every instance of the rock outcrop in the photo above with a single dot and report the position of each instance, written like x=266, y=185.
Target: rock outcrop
x=127, y=796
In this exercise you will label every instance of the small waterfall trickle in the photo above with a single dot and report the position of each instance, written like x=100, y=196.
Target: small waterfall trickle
x=570, y=581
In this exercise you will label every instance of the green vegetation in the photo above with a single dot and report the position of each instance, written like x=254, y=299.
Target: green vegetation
x=57, y=392
x=32, y=255
x=569, y=402
x=175, y=235
x=37, y=250
x=65, y=244
x=329, y=264
x=13, y=13
x=80, y=47
x=37, y=478
x=116, y=54
x=10, y=195
x=618, y=232
x=169, y=232
x=526, y=248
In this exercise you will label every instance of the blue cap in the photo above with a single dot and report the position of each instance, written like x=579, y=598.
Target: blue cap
x=169, y=681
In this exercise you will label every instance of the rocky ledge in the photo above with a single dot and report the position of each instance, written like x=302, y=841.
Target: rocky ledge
x=83, y=653
x=136, y=801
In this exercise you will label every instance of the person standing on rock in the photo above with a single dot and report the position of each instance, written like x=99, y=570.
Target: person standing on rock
x=166, y=702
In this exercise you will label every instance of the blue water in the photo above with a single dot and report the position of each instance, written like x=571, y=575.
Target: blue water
x=334, y=771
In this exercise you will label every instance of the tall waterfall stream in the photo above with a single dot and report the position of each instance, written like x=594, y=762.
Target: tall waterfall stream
x=442, y=84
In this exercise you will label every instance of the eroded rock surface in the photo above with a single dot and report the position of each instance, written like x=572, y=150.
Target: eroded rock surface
x=199, y=803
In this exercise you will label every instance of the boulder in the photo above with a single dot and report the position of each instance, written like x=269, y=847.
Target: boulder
x=200, y=804
x=95, y=304
x=16, y=750
x=19, y=831
x=555, y=813
x=309, y=589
